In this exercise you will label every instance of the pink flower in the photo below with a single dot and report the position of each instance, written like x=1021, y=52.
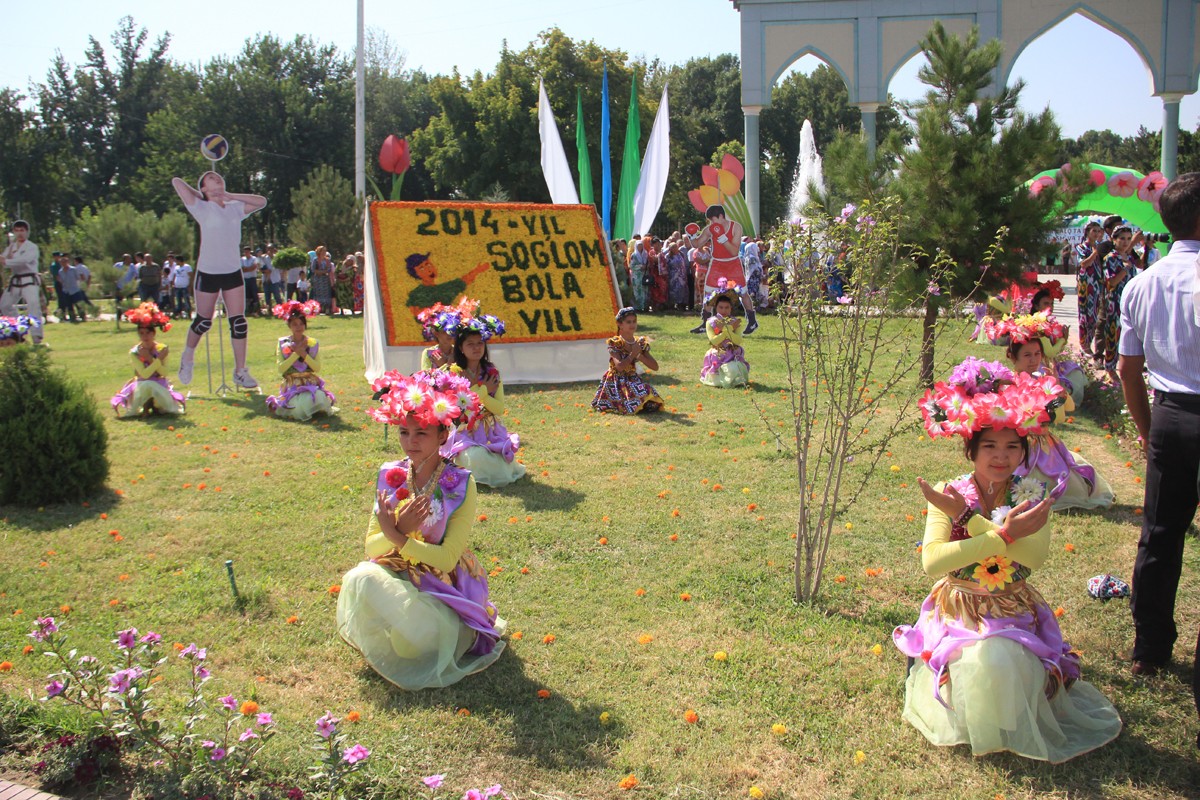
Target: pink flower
x=326, y=725
x=247, y=735
x=54, y=688
x=217, y=754
x=127, y=639
x=265, y=720
x=355, y=754
x=45, y=627
x=472, y=794
x=1122, y=184
x=150, y=638
x=230, y=702
x=1151, y=187
x=433, y=781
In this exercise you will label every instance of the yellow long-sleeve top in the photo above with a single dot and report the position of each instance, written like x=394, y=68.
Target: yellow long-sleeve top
x=441, y=556
x=940, y=556
x=720, y=329
x=491, y=403
x=288, y=362
x=145, y=371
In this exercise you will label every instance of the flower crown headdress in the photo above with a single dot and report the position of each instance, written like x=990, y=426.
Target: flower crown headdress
x=444, y=318
x=485, y=325
x=982, y=394
x=727, y=289
x=15, y=328
x=147, y=315
x=1026, y=328
x=291, y=308
x=431, y=398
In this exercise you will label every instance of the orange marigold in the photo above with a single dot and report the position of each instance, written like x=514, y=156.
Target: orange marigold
x=353, y=716
x=27, y=649
x=627, y=783
x=249, y=708
x=640, y=592
x=691, y=717
x=293, y=619
x=549, y=638
x=335, y=589
x=645, y=638
x=543, y=694
x=6, y=666
x=685, y=597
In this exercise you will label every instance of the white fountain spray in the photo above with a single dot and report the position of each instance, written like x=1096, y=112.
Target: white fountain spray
x=808, y=173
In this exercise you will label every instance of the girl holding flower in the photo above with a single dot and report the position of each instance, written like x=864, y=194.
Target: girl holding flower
x=988, y=663
x=484, y=446
x=418, y=608
x=725, y=362
x=302, y=393
x=149, y=391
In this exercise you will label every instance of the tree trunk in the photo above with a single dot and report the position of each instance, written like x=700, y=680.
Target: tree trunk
x=928, y=328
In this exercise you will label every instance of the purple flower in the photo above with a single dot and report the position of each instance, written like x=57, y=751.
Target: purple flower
x=326, y=725
x=247, y=735
x=433, y=781
x=188, y=651
x=202, y=654
x=54, y=688
x=450, y=479
x=208, y=743
x=295, y=793
x=120, y=681
x=865, y=222
x=844, y=300
x=352, y=755
x=202, y=672
x=150, y=638
x=264, y=719
x=934, y=289
x=45, y=627
x=472, y=794
x=847, y=210
x=217, y=753
x=127, y=639
x=230, y=702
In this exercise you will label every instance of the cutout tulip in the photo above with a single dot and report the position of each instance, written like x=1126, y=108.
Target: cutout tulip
x=394, y=157
x=723, y=187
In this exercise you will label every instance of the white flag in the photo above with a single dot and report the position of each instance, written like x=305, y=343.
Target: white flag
x=655, y=166
x=554, y=159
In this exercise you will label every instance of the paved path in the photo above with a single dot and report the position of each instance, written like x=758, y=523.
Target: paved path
x=12, y=791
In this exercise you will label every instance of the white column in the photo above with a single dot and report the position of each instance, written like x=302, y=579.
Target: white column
x=869, y=111
x=753, y=162
x=360, y=112
x=1169, y=162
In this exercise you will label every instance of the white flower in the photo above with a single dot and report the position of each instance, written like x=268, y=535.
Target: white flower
x=436, y=511
x=999, y=513
x=1028, y=490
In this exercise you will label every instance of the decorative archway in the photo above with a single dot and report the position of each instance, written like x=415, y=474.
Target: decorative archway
x=868, y=40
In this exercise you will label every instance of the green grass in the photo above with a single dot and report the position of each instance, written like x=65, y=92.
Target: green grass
x=294, y=532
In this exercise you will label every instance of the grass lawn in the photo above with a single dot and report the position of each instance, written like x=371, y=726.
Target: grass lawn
x=571, y=548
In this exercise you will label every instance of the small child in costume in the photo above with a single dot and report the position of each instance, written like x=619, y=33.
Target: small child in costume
x=149, y=392
x=439, y=324
x=725, y=362
x=14, y=329
x=622, y=390
x=485, y=447
x=417, y=606
x=302, y=393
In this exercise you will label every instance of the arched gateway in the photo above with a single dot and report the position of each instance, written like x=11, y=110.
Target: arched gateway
x=868, y=40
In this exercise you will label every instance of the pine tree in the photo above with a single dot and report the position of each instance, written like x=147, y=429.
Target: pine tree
x=327, y=213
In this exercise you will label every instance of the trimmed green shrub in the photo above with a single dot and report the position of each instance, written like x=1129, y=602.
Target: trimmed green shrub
x=53, y=446
x=290, y=258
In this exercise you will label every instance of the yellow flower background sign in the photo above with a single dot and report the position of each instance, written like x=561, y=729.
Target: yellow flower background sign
x=543, y=269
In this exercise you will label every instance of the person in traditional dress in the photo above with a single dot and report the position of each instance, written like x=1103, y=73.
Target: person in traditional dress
x=149, y=391
x=622, y=390
x=484, y=446
x=417, y=608
x=1119, y=268
x=725, y=362
x=13, y=330
x=988, y=664
x=1087, y=286
x=302, y=393
x=439, y=323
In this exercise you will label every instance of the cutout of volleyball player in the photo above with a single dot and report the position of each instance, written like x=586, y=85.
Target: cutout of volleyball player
x=219, y=268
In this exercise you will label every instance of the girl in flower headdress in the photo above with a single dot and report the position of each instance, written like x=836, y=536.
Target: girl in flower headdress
x=483, y=446
x=14, y=329
x=418, y=608
x=148, y=391
x=1074, y=483
x=302, y=393
x=622, y=390
x=439, y=323
x=988, y=665
x=1041, y=327
x=725, y=362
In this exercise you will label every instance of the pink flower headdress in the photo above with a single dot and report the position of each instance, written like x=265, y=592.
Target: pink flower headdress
x=291, y=308
x=147, y=315
x=982, y=395
x=1025, y=328
x=431, y=398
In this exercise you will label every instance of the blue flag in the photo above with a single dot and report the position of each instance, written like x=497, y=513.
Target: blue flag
x=605, y=160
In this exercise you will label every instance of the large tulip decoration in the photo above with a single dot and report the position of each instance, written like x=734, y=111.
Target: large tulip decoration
x=395, y=158
x=723, y=187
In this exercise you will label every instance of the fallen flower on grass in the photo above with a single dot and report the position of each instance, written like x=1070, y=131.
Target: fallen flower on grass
x=1058, y=612
x=1070, y=548
x=691, y=717
x=859, y=756
x=756, y=793
x=640, y=592
x=433, y=781
x=292, y=620
x=645, y=638
x=685, y=597
x=605, y=717
x=543, y=694
x=549, y=638
x=877, y=650
x=628, y=782
x=779, y=729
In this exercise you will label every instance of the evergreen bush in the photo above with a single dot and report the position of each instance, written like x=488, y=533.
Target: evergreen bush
x=53, y=446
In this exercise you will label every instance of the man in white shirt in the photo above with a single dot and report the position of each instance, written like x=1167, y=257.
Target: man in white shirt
x=250, y=266
x=182, y=284
x=20, y=259
x=272, y=280
x=1159, y=333
x=84, y=277
x=128, y=268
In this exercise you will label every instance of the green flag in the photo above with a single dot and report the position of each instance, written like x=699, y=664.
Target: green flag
x=631, y=169
x=586, y=195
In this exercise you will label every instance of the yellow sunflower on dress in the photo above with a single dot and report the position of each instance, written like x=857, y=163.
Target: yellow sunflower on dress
x=994, y=573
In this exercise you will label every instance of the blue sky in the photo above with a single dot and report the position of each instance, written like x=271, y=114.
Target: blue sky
x=469, y=33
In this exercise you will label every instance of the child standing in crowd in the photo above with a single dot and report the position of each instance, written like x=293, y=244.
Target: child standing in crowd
x=725, y=362
x=149, y=391
x=302, y=393
x=485, y=447
x=622, y=390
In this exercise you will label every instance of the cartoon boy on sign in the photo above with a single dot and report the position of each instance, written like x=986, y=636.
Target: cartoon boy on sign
x=421, y=267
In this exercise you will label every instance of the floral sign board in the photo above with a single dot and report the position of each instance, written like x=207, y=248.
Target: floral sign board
x=543, y=269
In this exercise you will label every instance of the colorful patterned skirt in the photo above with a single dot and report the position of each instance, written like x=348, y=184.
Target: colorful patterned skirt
x=488, y=451
x=991, y=669
x=301, y=397
x=725, y=367
x=625, y=393
x=147, y=395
